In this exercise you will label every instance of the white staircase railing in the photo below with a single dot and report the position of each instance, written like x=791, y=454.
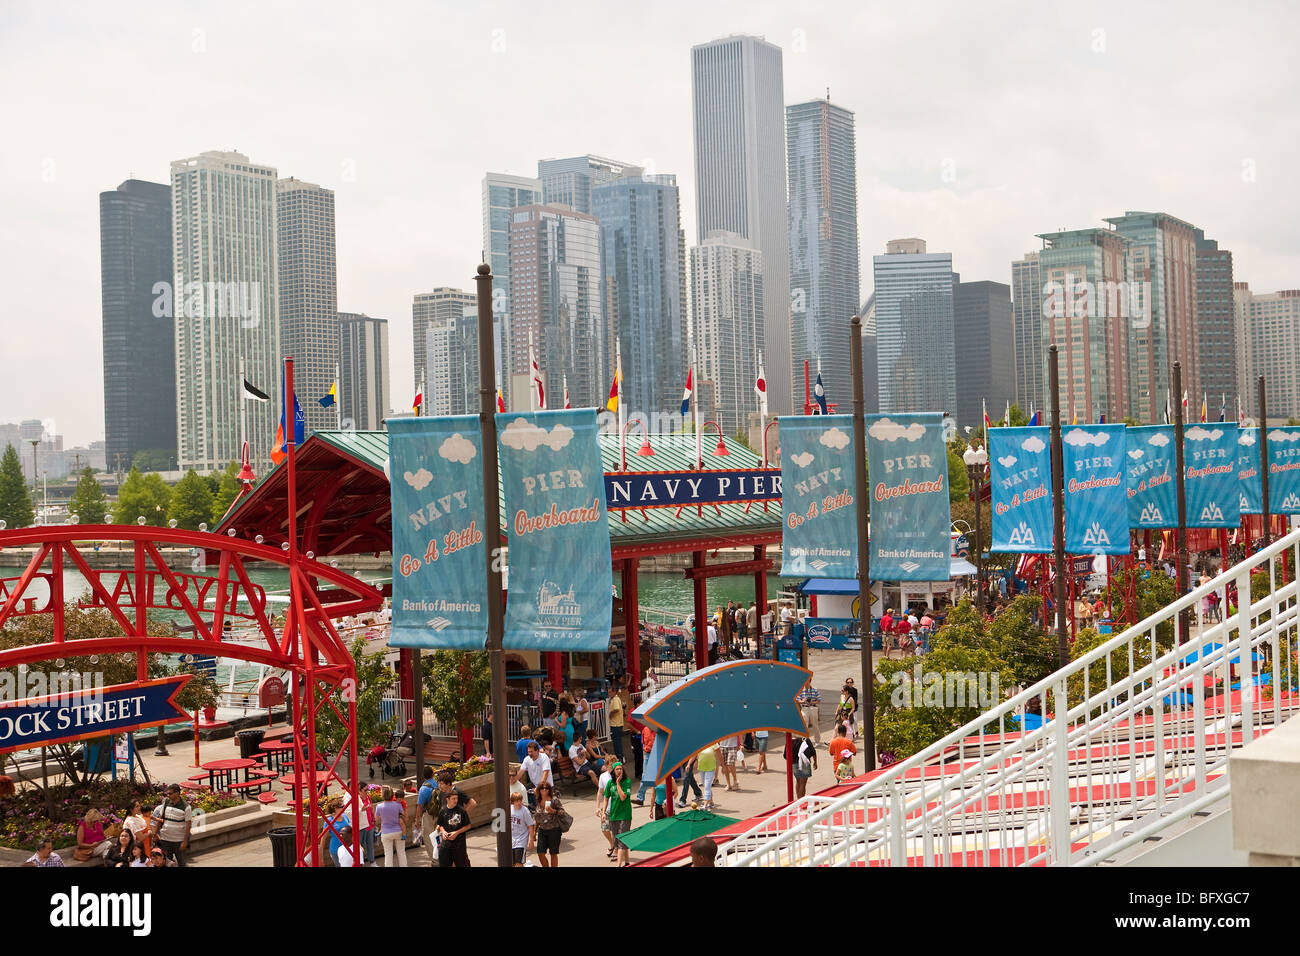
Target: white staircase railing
x=1145, y=743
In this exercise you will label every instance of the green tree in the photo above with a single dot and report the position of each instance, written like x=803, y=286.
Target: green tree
x=1028, y=649
x=146, y=495
x=1154, y=591
x=15, y=499
x=456, y=685
x=226, y=493
x=88, y=502
x=373, y=678
x=958, y=483
x=191, y=502
x=154, y=459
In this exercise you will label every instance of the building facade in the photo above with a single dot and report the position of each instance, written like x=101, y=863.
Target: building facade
x=431, y=310
x=309, y=294
x=363, y=371
x=135, y=255
x=569, y=182
x=1268, y=344
x=225, y=261
x=453, y=351
x=727, y=290
x=1026, y=306
x=984, y=337
x=1215, y=324
x=824, y=266
x=643, y=279
x=502, y=194
x=738, y=99
x=915, y=358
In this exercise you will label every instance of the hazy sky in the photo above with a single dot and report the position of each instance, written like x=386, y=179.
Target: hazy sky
x=978, y=125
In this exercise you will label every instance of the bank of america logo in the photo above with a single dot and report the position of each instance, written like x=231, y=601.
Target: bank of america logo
x=1096, y=535
x=1291, y=502
x=1021, y=535
x=440, y=624
x=819, y=564
x=1211, y=512
x=1151, y=515
x=909, y=566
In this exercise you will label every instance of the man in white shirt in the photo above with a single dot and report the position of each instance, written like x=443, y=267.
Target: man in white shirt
x=537, y=767
x=345, y=847
x=713, y=643
x=786, y=614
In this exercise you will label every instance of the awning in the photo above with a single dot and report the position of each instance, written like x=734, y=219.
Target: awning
x=960, y=567
x=829, y=586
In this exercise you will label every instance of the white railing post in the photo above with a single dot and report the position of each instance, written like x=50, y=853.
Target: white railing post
x=1059, y=792
x=1244, y=635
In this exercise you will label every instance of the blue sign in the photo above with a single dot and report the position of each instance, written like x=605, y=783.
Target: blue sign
x=1284, y=471
x=675, y=489
x=1096, y=495
x=1020, y=488
x=819, y=533
x=1249, y=487
x=1210, y=463
x=561, y=580
x=96, y=712
x=1150, y=466
x=829, y=633
x=439, y=552
x=910, y=521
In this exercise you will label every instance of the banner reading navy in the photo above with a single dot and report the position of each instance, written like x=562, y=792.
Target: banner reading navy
x=818, y=532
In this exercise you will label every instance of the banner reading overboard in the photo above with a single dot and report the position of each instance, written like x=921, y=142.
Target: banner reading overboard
x=560, y=576
x=1249, y=487
x=439, y=555
x=1096, y=498
x=818, y=536
x=1020, y=477
x=910, y=521
x=1210, y=459
x=1150, y=465
x=1284, y=471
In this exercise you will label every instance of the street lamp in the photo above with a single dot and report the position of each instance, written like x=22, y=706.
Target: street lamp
x=976, y=459
x=644, y=451
x=720, y=450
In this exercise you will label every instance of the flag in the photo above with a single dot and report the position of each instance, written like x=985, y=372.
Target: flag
x=1169, y=416
x=1006, y=417
x=1075, y=419
x=1184, y=401
x=281, y=449
x=566, y=391
x=501, y=402
x=1034, y=420
x=537, y=383
x=1223, y=406
x=686, y=393
x=418, y=401
x=1102, y=421
x=612, y=404
x=1204, y=416
x=819, y=393
x=760, y=389
x=256, y=394
x=329, y=397
x=987, y=421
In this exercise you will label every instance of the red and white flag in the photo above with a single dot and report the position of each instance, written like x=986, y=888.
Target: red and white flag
x=566, y=391
x=760, y=386
x=538, y=389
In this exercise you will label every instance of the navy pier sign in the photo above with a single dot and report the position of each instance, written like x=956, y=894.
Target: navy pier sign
x=97, y=712
x=676, y=489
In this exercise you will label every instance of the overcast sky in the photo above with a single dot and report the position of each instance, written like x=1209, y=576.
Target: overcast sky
x=978, y=125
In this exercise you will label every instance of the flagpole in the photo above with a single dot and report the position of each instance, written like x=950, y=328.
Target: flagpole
x=762, y=399
x=532, y=373
x=243, y=408
x=338, y=404
x=622, y=410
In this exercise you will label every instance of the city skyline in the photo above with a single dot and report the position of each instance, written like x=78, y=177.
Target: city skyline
x=933, y=162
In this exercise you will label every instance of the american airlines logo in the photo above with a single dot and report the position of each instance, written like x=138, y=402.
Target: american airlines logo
x=1151, y=515
x=1021, y=535
x=1096, y=535
x=1291, y=502
x=1211, y=512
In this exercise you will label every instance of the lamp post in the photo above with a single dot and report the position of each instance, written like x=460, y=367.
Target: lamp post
x=720, y=450
x=976, y=459
x=645, y=451
x=765, y=431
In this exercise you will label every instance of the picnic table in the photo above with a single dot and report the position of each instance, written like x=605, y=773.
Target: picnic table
x=319, y=778
x=221, y=773
x=279, y=755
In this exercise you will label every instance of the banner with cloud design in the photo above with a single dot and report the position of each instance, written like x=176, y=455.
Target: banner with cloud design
x=819, y=531
x=1096, y=493
x=1020, y=484
x=1210, y=473
x=907, y=462
x=1284, y=471
x=1151, y=466
x=555, y=521
x=1250, y=491
x=439, y=551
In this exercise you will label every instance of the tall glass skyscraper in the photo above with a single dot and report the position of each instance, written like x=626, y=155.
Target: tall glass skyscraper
x=1216, y=339
x=363, y=370
x=984, y=335
x=727, y=292
x=915, y=358
x=453, y=374
x=135, y=244
x=309, y=294
x=502, y=194
x=643, y=259
x=824, y=267
x=1026, y=306
x=740, y=176
x=431, y=310
x=1268, y=344
x=569, y=182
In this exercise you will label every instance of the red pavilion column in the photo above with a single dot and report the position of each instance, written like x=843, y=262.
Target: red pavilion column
x=701, y=613
x=631, y=624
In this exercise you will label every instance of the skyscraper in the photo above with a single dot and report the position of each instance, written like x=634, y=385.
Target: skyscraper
x=363, y=371
x=502, y=194
x=135, y=247
x=1268, y=344
x=1026, y=305
x=569, y=182
x=1162, y=252
x=555, y=293
x=1216, y=337
x=727, y=290
x=434, y=309
x=453, y=355
x=643, y=261
x=740, y=169
x=984, y=334
x=916, y=363
x=225, y=260
x=309, y=294
x=824, y=267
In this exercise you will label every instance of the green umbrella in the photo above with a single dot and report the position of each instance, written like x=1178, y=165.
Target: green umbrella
x=674, y=831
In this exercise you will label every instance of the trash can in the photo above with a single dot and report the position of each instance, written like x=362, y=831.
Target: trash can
x=283, y=846
x=250, y=742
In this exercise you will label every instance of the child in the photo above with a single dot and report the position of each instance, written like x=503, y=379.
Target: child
x=523, y=832
x=844, y=772
x=138, y=857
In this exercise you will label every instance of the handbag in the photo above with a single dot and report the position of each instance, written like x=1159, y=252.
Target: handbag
x=566, y=820
x=82, y=855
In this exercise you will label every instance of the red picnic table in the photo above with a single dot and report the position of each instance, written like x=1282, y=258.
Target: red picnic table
x=279, y=755
x=222, y=771
x=314, y=778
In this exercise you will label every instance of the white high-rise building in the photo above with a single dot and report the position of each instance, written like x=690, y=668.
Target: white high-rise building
x=225, y=303
x=502, y=194
x=309, y=294
x=1026, y=307
x=727, y=290
x=432, y=310
x=363, y=371
x=569, y=182
x=740, y=176
x=1268, y=344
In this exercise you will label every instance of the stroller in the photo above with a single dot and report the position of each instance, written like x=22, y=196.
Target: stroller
x=391, y=762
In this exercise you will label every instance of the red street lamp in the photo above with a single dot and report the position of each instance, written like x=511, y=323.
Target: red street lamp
x=644, y=451
x=721, y=449
x=765, y=431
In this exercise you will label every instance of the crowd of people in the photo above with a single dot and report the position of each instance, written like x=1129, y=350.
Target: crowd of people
x=157, y=837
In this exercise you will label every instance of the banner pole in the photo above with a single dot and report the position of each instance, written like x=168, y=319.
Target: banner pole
x=864, y=552
x=1058, y=507
x=1264, y=514
x=1180, y=544
x=492, y=529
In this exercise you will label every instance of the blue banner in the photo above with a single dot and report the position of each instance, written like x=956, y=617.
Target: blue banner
x=1096, y=496
x=1284, y=471
x=1151, y=465
x=1249, y=487
x=673, y=489
x=819, y=532
x=1020, y=486
x=830, y=633
x=439, y=553
x=560, y=573
x=910, y=521
x=93, y=712
x=1210, y=463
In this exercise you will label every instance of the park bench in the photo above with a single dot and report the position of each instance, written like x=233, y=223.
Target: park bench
x=564, y=774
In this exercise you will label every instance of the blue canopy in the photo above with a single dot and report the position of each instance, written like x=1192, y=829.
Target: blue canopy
x=829, y=586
